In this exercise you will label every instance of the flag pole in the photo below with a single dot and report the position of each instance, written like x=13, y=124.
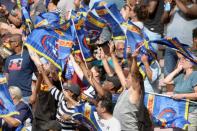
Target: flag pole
x=79, y=44
x=165, y=95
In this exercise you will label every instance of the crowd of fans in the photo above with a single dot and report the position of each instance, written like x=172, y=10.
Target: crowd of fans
x=46, y=104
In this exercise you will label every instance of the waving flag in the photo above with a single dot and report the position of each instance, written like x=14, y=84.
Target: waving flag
x=25, y=10
x=87, y=116
x=7, y=108
x=167, y=112
x=136, y=38
x=112, y=16
x=49, y=20
x=93, y=26
x=81, y=39
x=176, y=45
x=51, y=45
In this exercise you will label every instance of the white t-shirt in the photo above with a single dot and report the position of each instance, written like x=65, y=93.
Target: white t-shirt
x=111, y=124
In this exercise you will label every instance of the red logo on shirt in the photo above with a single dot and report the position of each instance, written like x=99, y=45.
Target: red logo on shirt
x=15, y=64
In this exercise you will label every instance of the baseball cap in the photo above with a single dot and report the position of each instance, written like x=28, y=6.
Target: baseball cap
x=73, y=88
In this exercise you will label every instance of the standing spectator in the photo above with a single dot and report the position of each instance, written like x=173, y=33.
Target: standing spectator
x=185, y=84
x=67, y=100
x=45, y=106
x=154, y=27
x=19, y=67
x=107, y=121
x=129, y=107
x=17, y=121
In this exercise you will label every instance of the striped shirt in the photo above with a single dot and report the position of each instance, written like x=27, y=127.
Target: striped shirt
x=63, y=109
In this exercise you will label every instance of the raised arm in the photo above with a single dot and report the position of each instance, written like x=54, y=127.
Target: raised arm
x=117, y=66
x=170, y=77
x=190, y=12
x=106, y=66
x=88, y=74
x=77, y=68
x=149, y=72
x=45, y=77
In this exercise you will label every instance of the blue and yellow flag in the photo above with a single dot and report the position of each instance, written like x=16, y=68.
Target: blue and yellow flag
x=51, y=45
x=112, y=16
x=25, y=11
x=7, y=107
x=136, y=37
x=86, y=115
x=93, y=26
x=81, y=39
x=167, y=112
x=49, y=20
x=175, y=44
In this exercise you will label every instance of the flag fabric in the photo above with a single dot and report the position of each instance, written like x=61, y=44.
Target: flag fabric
x=136, y=37
x=93, y=26
x=167, y=112
x=51, y=20
x=86, y=115
x=25, y=11
x=175, y=44
x=7, y=107
x=81, y=39
x=51, y=45
x=112, y=16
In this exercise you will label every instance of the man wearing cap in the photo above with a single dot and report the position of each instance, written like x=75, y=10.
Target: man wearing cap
x=67, y=100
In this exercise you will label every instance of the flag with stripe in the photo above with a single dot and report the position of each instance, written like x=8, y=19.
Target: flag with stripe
x=167, y=112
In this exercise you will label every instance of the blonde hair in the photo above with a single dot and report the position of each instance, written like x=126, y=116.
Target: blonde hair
x=15, y=92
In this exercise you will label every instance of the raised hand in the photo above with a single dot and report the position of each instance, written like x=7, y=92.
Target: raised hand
x=144, y=58
x=111, y=47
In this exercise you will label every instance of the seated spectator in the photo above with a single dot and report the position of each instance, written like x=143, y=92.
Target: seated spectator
x=107, y=122
x=17, y=121
x=185, y=86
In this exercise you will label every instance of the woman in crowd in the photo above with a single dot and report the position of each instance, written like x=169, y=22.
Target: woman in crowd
x=184, y=79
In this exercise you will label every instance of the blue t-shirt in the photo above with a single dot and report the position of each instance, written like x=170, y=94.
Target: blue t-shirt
x=20, y=70
x=24, y=113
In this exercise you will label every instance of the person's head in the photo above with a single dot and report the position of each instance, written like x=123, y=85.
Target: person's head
x=52, y=4
x=77, y=3
x=73, y=90
x=140, y=12
x=119, y=48
x=125, y=11
x=95, y=72
x=111, y=84
x=15, y=41
x=15, y=93
x=104, y=106
x=187, y=64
